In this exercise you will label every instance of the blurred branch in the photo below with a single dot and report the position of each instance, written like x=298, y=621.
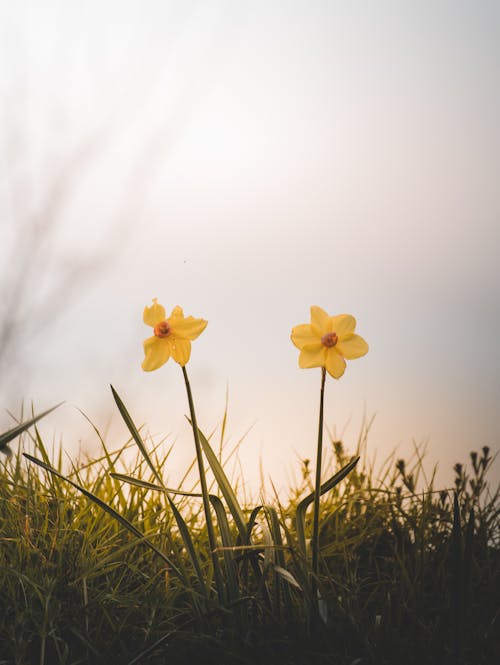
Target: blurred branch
x=38, y=280
x=24, y=308
x=34, y=231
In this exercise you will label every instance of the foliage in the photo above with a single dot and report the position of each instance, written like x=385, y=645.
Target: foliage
x=407, y=574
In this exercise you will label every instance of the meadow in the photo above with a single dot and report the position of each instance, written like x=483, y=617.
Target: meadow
x=104, y=563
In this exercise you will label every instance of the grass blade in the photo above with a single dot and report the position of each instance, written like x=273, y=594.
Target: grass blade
x=183, y=529
x=227, y=543
x=225, y=487
x=11, y=434
x=300, y=515
x=135, y=433
x=150, y=486
x=278, y=551
x=181, y=523
x=287, y=575
x=227, y=540
x=111, y=511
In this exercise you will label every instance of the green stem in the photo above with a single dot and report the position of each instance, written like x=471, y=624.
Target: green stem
x=317, y=488
x=204, y=489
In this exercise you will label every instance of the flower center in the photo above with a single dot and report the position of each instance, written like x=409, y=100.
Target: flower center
x=162, y=329
x=329, y=340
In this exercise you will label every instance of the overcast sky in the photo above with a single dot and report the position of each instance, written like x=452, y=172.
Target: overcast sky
x=250, y=159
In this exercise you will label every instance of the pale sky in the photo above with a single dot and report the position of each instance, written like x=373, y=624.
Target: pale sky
x=252, y=159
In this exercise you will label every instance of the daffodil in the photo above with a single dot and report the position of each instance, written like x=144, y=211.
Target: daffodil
x=172, y=337
x=328, y=341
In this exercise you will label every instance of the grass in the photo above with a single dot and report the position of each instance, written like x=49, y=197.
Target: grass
x=104, y=564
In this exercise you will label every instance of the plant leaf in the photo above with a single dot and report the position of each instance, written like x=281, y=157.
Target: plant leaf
x=111, y=511
x=150, y=486
x=227, y=543
x=300, y=515
x=225, y=487
x=287, y=575
x=135, y=433
x=11, y=434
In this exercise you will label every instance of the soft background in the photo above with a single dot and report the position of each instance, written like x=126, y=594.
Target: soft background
x=246, y=160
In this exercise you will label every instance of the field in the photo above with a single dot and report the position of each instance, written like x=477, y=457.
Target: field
x=103, y=564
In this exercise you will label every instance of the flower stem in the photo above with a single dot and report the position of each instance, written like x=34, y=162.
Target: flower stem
x=204, y=488
x=317, y=487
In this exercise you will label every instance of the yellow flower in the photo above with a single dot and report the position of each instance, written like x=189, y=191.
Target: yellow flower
x=327, y=341
x=172, y=336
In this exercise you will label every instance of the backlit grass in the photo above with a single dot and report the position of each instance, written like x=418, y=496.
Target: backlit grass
x=408, y=572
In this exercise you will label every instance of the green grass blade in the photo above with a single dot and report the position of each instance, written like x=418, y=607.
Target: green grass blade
x=107, y=455
x=276, y=542
x=227, y=542
x=280, y=566
x=111, y=511
x=41, y=447
x=251, y=521
x=255, y=564
x=135, y=433
x=300, y=515
x=225, y=487
x=11, y=434
x=188, y=542
x=183, y=529
x=181, y=523
x=150, y=486
x=274, y=526
x=186, y=537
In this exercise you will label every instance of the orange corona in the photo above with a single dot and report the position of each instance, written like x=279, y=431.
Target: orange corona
x=329, y=340
x=162, y=329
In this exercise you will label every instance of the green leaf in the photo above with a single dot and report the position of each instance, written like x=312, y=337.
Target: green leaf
x=251, y=521
x=111, y=511
x=184, y=531
x=277, y=545
x=224, y=529
x=181, y=523
x=135, y=433
x=300, y=515
x=150, y=486
x=227, y=544
x=225, y=487
x=188, y=543
x=11, y=434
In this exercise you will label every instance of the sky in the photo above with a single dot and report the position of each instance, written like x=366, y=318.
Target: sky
x=246, y=160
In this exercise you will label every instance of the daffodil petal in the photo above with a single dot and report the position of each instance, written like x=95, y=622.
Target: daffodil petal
x=335, y=364
x=313, y=356
x=319, y=319
x=352, y=346
x=177, y=312
x=181, y=350
x=342, y=324
x=188, y=328
x=304, y=335
x=154, y=314
x=157, y=352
